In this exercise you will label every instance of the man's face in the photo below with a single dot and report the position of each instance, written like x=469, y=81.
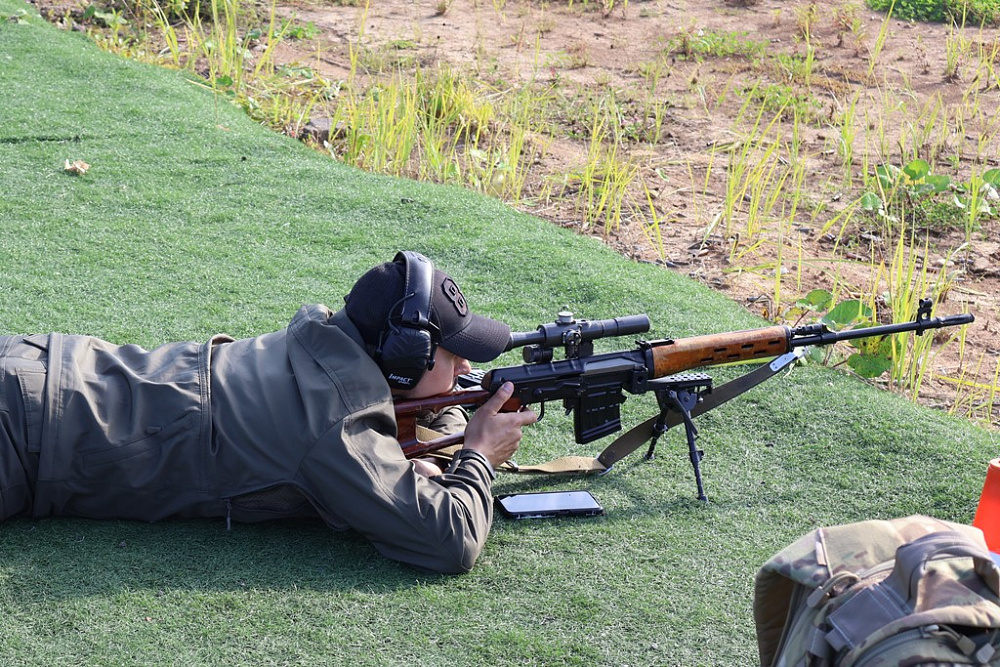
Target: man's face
x=441, y=378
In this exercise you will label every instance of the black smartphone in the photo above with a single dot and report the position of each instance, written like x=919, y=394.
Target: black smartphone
x=547, y=504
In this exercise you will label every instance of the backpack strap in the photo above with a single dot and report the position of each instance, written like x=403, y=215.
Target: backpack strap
x=899, y=594
x=911, y=560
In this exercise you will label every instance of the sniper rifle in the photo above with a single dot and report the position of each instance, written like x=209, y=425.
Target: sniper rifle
x=592, y=386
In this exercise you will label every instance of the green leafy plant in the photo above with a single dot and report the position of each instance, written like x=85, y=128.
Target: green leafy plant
x=896, y=193
x=871, y=357
x=914, y=10
x=980, y=197
x=701, y=44
x=294, y=30
x=977, y=12
x=940, y=11
x=929, y=200
x=786, y=100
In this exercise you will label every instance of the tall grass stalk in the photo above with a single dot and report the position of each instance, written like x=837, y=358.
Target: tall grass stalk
x=975, y=204
x=785, y=223
x=753, y=177
x=653, y=230
x=920, y=130
x=957, y=48
x=394, y=114
x=840, y=222
x=603, y=182
x=765, y=184
x=220, y=43
x=524, y=111
x=910, y=280
x=883, y=33
x=987, y=136
x=975, y=399
x=987, y=52
x=439, y=126
x=745, y=162
x=848, y=131
x=224, y=45
x=286, y=104
x=700, y=194
x=168, y=32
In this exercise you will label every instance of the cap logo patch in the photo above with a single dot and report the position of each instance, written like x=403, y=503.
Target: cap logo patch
x=456, y=297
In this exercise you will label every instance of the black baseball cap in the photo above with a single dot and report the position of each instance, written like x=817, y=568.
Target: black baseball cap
x=378, y=294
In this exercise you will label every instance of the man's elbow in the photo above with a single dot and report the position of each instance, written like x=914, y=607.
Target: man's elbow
x=457, y=558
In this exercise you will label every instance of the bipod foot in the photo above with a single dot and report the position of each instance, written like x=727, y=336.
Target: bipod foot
x=696, y=456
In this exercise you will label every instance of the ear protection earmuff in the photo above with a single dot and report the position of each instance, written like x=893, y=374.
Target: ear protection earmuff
x=406, y=347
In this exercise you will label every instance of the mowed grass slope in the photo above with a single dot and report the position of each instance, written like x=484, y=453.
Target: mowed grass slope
x=192, y=221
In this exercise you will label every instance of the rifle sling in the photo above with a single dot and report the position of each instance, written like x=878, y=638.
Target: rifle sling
x=565, y=465
x=636, y=437
x=562, y=466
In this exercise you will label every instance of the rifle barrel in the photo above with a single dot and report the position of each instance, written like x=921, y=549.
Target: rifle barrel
x=819, y=334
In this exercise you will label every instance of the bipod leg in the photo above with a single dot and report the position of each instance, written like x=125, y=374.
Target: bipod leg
x=658, y=429
x=683, y=402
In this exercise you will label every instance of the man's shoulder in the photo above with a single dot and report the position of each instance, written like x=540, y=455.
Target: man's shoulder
x=316, y=327
x=309, y=313
x=319, y=337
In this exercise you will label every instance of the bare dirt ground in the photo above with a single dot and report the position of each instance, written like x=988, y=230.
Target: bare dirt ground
x=588, y=49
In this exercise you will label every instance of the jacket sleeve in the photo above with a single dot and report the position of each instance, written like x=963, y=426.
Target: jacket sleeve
x=450, y=420
x=358, y=477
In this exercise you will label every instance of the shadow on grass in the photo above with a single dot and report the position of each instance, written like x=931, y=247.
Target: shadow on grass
x=66, y=558
x=637, y=489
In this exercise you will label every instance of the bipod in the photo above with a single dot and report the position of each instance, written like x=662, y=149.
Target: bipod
x=678, y=395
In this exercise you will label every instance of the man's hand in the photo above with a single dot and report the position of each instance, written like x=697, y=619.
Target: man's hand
x=494, y=434
x=426, y=467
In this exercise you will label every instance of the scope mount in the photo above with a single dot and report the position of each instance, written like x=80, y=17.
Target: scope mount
x=571, y=339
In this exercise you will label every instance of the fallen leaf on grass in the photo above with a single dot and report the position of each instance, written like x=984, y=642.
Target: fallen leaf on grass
x=76, y=167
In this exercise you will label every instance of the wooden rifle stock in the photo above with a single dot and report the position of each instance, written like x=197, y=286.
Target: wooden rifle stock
x=676, y=356
x=408, y=411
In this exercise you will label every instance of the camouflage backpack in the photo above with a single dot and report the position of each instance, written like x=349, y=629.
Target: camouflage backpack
x=913, y=591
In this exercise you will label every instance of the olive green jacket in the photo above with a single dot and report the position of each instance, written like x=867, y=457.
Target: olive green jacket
x=294, y=423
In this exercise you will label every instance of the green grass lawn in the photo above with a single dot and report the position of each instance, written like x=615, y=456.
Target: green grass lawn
x=193, y=221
